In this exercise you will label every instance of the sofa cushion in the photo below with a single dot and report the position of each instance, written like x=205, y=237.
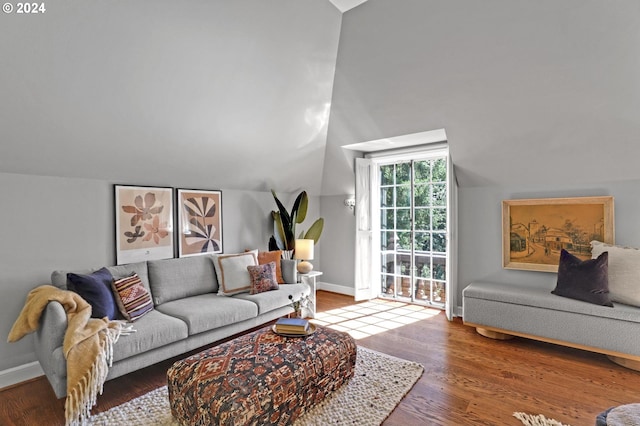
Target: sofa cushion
x=232, y=273
x=583, y=280
x=95, y=288
x=173, y=279
x=263, y=278
x=208, y=311
x=624, y=271
x=153, y=331
x=275, y=299
x=134, y=301
x=59, y=277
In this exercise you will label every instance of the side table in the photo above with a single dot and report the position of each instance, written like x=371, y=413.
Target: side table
x=310, y=279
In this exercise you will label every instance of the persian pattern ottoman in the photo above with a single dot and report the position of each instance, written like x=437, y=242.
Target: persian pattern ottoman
x=260, y=378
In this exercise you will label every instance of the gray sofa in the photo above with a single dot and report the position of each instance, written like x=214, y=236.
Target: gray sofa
x=188, y=313
x=501, y=310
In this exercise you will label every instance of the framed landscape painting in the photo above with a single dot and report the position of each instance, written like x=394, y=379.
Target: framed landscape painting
x=534, y=231
x=144, y=223
x=199, y=222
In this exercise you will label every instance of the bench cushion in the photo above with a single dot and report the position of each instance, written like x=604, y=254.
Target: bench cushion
x=536, y=313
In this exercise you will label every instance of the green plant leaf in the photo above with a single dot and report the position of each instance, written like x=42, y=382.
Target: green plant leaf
x=315, y=231
x=299, y=210
x=278, y=230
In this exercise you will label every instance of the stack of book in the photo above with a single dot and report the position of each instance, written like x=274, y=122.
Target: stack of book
x=292, y=326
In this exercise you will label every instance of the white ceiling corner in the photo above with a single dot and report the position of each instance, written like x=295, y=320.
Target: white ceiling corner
x=344, y=5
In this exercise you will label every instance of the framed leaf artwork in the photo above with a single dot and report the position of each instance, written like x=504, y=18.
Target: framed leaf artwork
x=199, y=222
x=144, y=223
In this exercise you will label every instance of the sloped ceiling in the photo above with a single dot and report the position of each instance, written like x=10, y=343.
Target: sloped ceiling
x=248, y=95
x=529, y=92
x=222, y=94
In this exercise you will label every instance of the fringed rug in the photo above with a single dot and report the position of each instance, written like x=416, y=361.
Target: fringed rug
x=536, y=420
x=379, y=383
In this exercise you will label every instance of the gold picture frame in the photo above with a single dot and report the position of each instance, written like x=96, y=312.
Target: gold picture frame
x=534, y=231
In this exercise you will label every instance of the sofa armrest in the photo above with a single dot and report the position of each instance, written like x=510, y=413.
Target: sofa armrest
x=48, y=338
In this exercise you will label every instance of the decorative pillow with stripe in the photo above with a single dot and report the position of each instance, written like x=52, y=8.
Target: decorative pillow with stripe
x=132, y=298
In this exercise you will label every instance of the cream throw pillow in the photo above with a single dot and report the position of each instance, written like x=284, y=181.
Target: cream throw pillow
x=231, y=269
x=624, y=272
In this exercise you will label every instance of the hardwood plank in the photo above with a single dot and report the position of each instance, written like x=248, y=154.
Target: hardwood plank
x=468, y=379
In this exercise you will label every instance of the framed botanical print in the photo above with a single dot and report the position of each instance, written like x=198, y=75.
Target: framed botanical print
x=535, y=231
x=144, y=223
x=199, y=222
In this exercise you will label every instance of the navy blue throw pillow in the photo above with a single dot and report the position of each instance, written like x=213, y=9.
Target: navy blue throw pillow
x=586, y=280
x=96, y=290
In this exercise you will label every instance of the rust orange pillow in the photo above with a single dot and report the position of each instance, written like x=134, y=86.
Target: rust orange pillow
x=265, y=257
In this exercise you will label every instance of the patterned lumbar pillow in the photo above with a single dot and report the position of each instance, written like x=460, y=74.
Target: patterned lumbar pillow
x=232, y=273
x=583, y=280
x=133, y=299
x=624, y=272
x=95, y=288
x=263, y=278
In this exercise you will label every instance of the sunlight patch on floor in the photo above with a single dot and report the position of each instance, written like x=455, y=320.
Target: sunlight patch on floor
x=377, y=316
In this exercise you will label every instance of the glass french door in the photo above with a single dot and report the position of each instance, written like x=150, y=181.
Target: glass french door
x=413, y=213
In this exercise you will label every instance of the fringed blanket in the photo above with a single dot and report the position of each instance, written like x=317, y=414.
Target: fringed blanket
x=88, y=346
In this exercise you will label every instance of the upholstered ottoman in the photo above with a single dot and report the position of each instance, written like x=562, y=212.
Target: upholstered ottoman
x=260, y=378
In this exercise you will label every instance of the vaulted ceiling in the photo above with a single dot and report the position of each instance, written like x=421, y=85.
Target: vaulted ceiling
x=263, y=94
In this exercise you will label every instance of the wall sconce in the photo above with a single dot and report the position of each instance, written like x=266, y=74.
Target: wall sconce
x=350, y=202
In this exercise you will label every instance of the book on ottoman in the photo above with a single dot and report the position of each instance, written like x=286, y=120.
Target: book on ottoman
x=292, y=325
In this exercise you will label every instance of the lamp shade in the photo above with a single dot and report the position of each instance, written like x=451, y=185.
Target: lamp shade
x=304, y=250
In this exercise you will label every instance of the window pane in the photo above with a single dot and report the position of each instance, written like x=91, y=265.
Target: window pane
x=423, y=220
x=386, y=196
x=386, y=219
x=422, y=195
x=404, y=240
x=423, y=266
x=439, y=269
x=423, y=171
x=403, y=219
x=439, y=292
x=440, y=219
x=423, y=241
x=439, y=194
x=386, y=175
x=439, y=242
x=403, y=196
x=440, y=170
x=403, y=173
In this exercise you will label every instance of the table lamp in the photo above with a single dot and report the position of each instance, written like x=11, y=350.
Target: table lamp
x=304, y=252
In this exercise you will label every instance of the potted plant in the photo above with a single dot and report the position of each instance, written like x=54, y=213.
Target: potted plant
x=284, y=231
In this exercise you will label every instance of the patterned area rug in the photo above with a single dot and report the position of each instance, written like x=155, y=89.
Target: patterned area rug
x=536, y=420
x=379, y=383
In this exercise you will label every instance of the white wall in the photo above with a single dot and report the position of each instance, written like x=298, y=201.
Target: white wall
x=337, y=245
x=50, y=223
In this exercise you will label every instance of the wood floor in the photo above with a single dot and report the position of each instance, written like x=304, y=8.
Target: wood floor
x=468, y=379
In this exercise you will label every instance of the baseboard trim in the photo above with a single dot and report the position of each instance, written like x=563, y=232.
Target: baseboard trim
x=21, y=373
x=334, y=288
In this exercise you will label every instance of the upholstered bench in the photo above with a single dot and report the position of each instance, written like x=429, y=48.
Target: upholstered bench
x=260, y=378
